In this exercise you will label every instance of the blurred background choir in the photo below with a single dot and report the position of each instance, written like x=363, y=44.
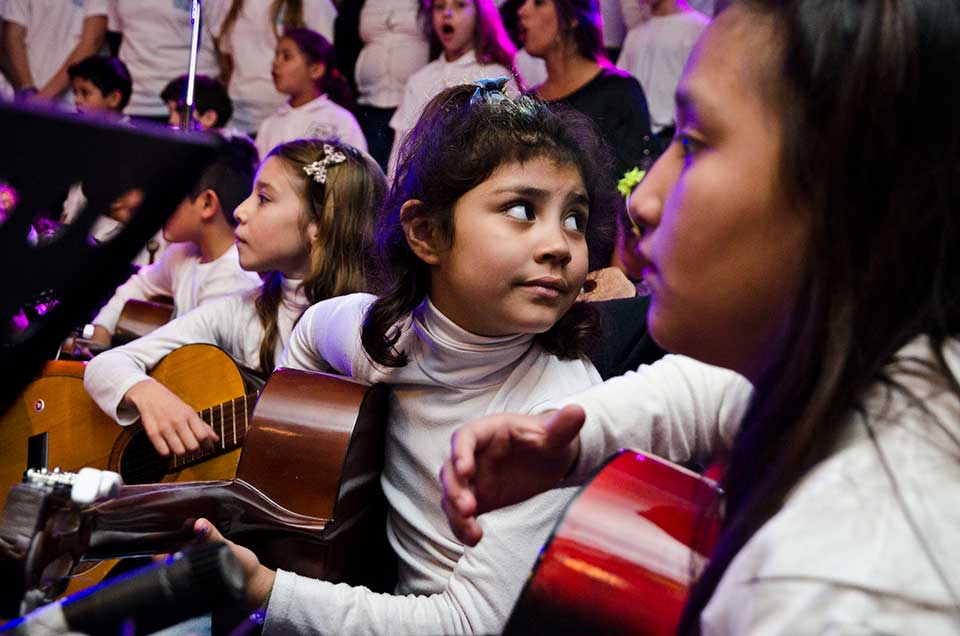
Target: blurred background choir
x=357, y=70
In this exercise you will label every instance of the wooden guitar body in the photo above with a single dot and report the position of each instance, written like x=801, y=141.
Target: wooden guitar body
x=55, y=416
x=622, y=557
x=306, y=498
x=54, y=423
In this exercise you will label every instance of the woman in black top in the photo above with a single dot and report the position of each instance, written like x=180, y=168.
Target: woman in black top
x=567, y=35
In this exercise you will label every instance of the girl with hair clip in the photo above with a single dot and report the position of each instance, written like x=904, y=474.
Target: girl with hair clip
x=835, y=291
x=307, y=228
x=247, y=40
x=305, y=68
x=473, y=44
x=483, y=248
x=567, y=35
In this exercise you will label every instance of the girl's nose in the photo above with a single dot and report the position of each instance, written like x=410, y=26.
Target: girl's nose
x=240, y=213
x=553, y=245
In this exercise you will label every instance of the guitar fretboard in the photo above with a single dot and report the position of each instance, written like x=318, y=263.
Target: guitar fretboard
x=230, y=421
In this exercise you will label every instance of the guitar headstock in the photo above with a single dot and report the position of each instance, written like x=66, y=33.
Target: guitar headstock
x=42, y=531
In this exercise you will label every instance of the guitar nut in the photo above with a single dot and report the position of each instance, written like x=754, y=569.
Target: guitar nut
x=38, y=406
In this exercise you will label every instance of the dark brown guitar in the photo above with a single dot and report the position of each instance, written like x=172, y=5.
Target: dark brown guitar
x=138, y=318
x=306, y=496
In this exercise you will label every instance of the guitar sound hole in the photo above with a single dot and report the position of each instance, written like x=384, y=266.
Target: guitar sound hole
x=140, y=463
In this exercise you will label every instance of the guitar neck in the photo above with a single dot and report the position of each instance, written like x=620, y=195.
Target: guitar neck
x=230, y=420
x=154, y=518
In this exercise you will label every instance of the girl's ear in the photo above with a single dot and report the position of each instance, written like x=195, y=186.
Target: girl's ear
x=313, y=234
x=317, y=70
x=421, y=232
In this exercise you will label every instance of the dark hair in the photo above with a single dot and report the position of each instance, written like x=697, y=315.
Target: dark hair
x=491, y=44
x=230, y=175
x=290, y=12
x=108, y=74
x=345, y=210
x=318, y=50
x=208, y=94
x=455, y=146
x=871, y=151
x=580, y=20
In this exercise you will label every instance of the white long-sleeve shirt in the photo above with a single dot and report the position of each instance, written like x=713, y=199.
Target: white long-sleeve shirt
x=432, y=79
x=394, y=46
x=180, y=274
x=655, y=52
x=251, y=43
x=451, y=376
x=320, y=118
x=156, y=46
x=53, y=29
x=848, y=551
x=230, y=323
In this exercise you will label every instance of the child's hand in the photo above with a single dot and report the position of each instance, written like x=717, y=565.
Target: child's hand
x=170, y=423
x=503, y=459
x=260, y=578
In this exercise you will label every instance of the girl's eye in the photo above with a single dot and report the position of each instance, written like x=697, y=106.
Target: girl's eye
x=521, y=211
x=262, y=198
x=689, y=147
x=576, y=221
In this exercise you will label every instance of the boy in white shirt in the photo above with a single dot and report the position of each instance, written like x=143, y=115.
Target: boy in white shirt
x=203, y=264
x=212, y=106
x=42, y=38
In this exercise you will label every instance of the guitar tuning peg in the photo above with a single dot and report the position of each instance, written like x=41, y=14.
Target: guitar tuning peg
x=92, y=485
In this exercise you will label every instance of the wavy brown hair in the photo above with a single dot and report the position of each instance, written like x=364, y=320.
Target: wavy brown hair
x=867, y=95
x=345, y=210
x=455, y=146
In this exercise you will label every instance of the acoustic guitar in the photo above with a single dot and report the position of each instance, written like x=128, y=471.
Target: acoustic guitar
x=624, y=553
x=54, y=422
x=306, y=496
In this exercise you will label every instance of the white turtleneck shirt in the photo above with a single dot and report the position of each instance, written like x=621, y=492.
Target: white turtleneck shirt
x=451, y=377
x=230, y=323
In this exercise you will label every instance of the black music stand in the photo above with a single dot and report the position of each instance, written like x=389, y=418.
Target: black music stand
x=44, y=152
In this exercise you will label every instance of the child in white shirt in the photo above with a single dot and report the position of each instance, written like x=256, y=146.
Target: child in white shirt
x=304, y=69
x=474, y=46
x=247, y=40
x=484, y=252
x=308, y=231
x=202, y=264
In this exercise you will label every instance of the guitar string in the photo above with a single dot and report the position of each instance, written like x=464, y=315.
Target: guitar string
x=146, y=460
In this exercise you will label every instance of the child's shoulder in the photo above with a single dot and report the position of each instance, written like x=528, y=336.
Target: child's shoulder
x=341, y=306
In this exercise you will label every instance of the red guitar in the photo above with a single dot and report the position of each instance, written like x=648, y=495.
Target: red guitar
x=622, y=556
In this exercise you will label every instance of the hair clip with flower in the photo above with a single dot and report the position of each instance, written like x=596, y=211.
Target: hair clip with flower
x=318, y=169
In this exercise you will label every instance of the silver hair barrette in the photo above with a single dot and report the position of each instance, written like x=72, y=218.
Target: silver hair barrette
x=492, y=89
x=318, y=169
